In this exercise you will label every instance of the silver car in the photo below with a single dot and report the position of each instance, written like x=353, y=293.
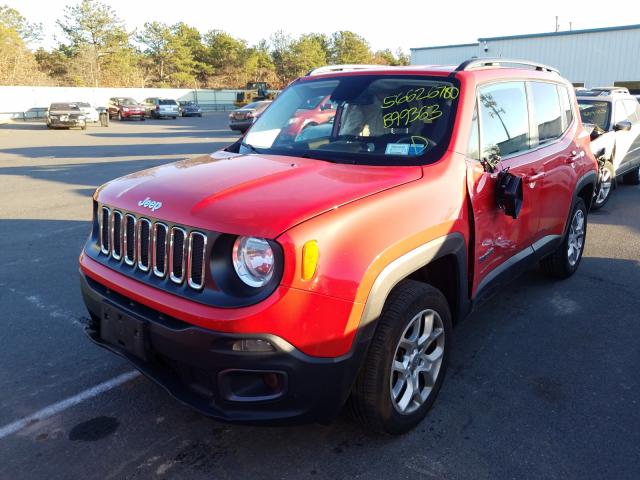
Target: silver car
x=161, y=107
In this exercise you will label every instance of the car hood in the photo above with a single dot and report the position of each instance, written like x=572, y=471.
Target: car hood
x=261, y=195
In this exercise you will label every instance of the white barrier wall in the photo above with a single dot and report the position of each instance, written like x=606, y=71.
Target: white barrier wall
x=16, y=100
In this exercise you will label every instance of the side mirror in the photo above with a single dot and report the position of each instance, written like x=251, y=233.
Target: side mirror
x=509, y=193
x=622, y=125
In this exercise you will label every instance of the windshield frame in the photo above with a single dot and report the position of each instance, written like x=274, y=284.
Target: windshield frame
x=430, y=156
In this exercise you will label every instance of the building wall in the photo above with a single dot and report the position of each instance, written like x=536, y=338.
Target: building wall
x=596, y=58
x=14, y=101
x=449, y=55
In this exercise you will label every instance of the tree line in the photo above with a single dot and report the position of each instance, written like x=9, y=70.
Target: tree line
x=96, y=50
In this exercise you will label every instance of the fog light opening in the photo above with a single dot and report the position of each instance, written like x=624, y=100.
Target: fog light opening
x=256, y=345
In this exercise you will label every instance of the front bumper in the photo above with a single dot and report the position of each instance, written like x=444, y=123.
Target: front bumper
x=199, y=368
x=132, y=114
x=240, y=125
x=72, y=122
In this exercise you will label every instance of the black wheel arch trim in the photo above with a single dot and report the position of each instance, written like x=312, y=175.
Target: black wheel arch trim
x=451, y=244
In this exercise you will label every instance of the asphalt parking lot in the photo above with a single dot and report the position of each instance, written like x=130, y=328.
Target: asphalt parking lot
x=544, y=380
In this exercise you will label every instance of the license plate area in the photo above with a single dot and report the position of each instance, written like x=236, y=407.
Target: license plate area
x=123, y=331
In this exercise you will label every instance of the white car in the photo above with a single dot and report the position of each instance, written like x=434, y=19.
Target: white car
x=92, y=113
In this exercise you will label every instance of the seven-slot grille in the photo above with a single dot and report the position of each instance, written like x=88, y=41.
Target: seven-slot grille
x=166, y=251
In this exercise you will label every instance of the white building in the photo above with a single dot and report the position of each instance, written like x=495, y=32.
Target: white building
x=590, y=58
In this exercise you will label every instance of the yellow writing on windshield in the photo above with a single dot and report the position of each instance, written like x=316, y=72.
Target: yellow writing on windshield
x=445, y=92
x=407, y=116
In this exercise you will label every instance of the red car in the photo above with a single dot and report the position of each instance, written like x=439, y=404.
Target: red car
x=125, y=108
x=313, y=112
x=284, y=277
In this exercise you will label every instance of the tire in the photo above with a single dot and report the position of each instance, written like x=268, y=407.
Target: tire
x=200, y=115
x=381, y=390
x=633, y=177
x=142, y=119
x=173, y=118
x=84, y=127
x=564, y=262
x=605, y=186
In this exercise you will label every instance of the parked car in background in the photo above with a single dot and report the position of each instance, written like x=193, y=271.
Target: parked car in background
x=242, y=118
x=315, y=111
x=125, y=108
x=301, y=276
x=66, y=115
x=189, y=109
x=615, y=115
x=161, y=107
x=92, y=114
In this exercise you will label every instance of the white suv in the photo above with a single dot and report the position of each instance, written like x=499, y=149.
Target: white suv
x=615, y=115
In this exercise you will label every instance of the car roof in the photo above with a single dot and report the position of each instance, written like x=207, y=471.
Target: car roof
x=482, y=68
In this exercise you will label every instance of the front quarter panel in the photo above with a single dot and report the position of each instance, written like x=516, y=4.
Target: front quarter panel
x=359, y=240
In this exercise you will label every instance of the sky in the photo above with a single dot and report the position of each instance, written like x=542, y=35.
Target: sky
x=401, y=24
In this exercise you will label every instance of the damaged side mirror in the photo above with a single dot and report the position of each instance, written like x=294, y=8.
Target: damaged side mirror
x=509, y=193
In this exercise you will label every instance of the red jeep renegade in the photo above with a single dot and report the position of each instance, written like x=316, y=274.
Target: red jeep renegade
x=285, y=276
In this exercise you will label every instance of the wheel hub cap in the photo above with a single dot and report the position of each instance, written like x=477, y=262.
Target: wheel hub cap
x=417, y=362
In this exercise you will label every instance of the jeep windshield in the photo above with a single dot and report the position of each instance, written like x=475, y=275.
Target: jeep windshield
x=368, y=119
x=595, y=113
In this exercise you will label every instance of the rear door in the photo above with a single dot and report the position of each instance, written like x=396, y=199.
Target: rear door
x=554, y=136
x=504, y=132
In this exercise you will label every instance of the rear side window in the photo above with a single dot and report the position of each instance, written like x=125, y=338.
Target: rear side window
x=167, y=102
x=504, y=119
x=546, y=111
x=565, y=106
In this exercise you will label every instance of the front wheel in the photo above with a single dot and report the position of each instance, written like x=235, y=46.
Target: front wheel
x=565, y=260
x=406, y=361
x=633, y=177
x=605, y=186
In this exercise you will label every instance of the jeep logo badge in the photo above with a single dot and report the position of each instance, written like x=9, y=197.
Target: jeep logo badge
x=151, y=204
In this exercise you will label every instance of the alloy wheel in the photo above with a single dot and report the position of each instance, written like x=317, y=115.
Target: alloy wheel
x=576, y=237
x=605, y=186
x=417, y=361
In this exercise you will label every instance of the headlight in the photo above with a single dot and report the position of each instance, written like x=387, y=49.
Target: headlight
x=253, y=260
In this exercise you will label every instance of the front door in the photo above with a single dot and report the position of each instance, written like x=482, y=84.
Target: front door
x=502, y=123
x=627, y=149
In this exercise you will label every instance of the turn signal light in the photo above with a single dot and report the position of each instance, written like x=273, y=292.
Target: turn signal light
x=310, y=254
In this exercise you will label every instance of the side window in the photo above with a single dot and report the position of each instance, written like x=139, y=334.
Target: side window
x=619, y=112
x=632, y=107
x=473, y=151
x=504, y=119
x=565, y=106
x=546, y=111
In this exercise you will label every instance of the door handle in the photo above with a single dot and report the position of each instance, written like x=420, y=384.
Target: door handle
x=534, y=178
x=575, y=156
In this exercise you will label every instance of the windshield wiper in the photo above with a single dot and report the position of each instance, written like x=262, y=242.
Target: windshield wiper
x=250, y=147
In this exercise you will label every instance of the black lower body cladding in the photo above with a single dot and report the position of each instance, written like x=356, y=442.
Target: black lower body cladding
x=200, y=368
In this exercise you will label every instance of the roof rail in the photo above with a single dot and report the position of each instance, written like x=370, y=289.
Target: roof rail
x=613, y=89
x=502, y=62
x=341, y=68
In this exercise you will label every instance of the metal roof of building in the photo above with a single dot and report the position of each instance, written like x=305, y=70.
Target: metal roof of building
x=536, y=35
